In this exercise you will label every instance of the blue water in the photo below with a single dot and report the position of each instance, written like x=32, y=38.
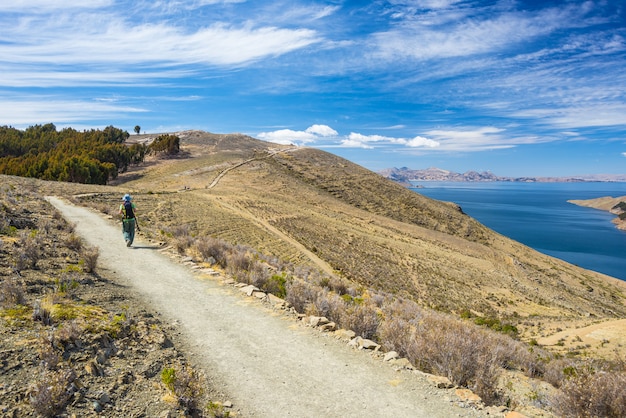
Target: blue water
x=538, y=215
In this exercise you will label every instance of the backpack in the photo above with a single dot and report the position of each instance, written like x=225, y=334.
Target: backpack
x=128, y=210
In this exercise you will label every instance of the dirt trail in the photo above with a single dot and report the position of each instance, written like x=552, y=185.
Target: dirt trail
x=269, y=365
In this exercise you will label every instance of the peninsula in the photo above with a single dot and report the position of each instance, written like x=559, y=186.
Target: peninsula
x=615, y=205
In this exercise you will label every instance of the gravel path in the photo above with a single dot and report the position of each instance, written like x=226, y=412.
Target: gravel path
x=270, y=365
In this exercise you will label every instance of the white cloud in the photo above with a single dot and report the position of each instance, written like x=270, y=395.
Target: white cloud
x=420, y=141
x=287, y=136
x=321, y=130
x=624, y=154
x=355, y=143
x=360, y=138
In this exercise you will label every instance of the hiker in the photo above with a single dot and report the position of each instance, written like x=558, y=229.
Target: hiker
x=127, y=210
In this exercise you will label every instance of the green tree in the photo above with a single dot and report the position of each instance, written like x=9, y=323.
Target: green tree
x=137, y=129
x=166, y=144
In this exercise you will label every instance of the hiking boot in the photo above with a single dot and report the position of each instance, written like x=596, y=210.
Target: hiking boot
x=128, y=243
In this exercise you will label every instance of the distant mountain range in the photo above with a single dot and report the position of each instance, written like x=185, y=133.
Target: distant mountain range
x=406, y=175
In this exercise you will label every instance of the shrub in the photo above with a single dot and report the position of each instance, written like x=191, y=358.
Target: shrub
x=212, y=248
x=90, y=258
x=29, y=251
x=440, y=344
x=276, y=285
x=592, y=390
x=48, y=355
x=66, y=284
x=238, y=261
x=363, y=319
x=185, y=385
x=51, y=392
x=300, y=294
x=259, y=275
x=11, y=293
x=73, y=242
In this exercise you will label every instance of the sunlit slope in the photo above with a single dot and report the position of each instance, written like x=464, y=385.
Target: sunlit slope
x=310, y=207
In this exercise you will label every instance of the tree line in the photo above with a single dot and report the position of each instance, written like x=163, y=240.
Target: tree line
x=92, y=156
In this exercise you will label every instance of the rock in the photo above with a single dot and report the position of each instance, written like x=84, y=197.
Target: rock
x=331, y=326
x=96, y=406
x=440, y=382
x=276, y=301
x=467, y=395
x=345, y=334
x=361, y=343
x=249, y=289
x=104, y=398
x=92, y=368
x=315, y=321
x=228, y=404
x=514, y=414
x=392, y=355
x=259, y=295
x=402, y=363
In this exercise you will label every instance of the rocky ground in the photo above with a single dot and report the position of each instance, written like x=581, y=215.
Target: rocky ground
x=73, y=342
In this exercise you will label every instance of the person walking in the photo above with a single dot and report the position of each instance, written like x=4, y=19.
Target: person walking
x=127, y=210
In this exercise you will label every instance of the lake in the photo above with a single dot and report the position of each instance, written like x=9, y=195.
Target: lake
x=538, y=215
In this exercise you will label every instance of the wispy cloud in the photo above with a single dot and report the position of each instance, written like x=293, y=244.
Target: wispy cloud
x=74, y=42
x=476, y=33
x=21, y=112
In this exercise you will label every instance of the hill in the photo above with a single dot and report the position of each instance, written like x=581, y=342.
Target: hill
x=406, y=175
x=308, y=207
x=378, y=246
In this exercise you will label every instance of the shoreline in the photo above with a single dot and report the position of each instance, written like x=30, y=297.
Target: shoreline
x=614, y=205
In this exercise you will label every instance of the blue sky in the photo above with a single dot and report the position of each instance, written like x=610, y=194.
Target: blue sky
x=519, y=88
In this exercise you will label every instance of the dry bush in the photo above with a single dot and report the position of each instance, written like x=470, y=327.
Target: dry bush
x=11, y=293
x=238, y=261
x=327, y=304
x=185, y=384
x=51, y=392
x=557, y=371
x=213, y=248
x=183, y=242
x=259, y=276
x=73, y=242
x=592, y=390
x=443, y=345
x=66, y=284
x=69, y=332
x=28, y=250
x=363, y=319
x=300, y=294
x=90, y=257
x=48, y=354
x=42, y=313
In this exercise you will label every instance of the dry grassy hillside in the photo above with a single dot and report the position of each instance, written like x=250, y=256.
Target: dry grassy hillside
x=309, y=207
